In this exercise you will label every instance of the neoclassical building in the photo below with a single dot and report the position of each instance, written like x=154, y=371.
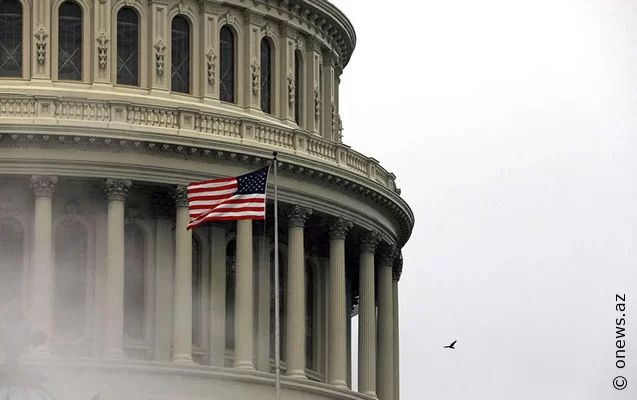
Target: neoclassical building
x=108, y=109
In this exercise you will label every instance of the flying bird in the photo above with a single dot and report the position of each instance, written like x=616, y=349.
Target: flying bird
x=451, y=345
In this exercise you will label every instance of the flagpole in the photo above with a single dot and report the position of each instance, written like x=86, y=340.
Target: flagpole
x=277, y=328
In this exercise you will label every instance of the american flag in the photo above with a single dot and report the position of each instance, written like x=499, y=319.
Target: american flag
x=241, y=197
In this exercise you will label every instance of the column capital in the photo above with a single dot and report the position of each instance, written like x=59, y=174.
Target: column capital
x=163, y=205
x=369, y=240
x=387, y=256
x=338, y=228
x=44, y=185
x=397, y=269
x=117, y=189
x=297, y=216
x=180, y=196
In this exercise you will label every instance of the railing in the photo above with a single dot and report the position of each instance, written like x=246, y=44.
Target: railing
x=149, y=118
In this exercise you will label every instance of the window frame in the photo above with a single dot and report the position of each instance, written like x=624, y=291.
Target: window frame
x=191, y=81
x=140, y=42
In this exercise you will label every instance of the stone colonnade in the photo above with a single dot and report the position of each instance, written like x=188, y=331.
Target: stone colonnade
x=378, y=312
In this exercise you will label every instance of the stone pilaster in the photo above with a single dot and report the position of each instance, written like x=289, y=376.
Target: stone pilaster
x=252, y=61
x=329, y=59
x=210, y=50
x=385, y=366
x=217, y=295
x=159, y=38
x=244, y=301
x=41, y=57
x=104, y=53
x=295, y=329
x=338, y=228
x=287, y=98
x=42, y=275
x=182, y=292
x=116, y=191
x=397, y=271
x=367, y=316
x=313, y=92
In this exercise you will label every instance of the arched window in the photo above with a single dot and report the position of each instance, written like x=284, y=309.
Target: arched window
x=298, y=81
x=196, y=292
x=231, y=267
x=180, y=55
x=134, y=282
x=266, y=76
x=10, y=38
x=71, y=259
x=226, y=65
x=127, y=47
x=309, y=321
x=11, y=246
x=70, y=42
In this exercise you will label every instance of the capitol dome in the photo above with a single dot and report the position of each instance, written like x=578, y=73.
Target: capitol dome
x=108, y=109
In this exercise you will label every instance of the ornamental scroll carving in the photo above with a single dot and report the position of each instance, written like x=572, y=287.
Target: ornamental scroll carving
x=180, y=196
x=117, y=189
x=255, y=76
x=317, y=103
x=211, y=58
x=102, y=48
x=291, y=89
x=338, y=228
x=369, y=241
x=160, y=49
x=297, y=216
x=182, y=5
x=40, y=43
x=337, y=125
x=387, y=256
x=397, y=270
x=44, y=185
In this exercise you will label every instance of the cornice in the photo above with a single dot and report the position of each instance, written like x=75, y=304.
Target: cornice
x=183, y=148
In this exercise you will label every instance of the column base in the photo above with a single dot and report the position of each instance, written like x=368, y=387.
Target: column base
x=244, y=365
x=296, y=374
x=183, y=359
x=114, y=354
x=341, y=384
x=370, y=394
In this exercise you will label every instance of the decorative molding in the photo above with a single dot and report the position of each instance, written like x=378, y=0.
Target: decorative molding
x=291, y=89
x=387, y=256
x=297, y=216
x=267, y=30
x=369, y=241
x=317, y=103
x=397, y=269
x=228, y=18
x=338, y=228
x=337, y=125
x=40, y=43
x=299, y=42
x=183, y=7
x=160, y=49
x=117, y=189
x=44, y=185
x=255, y=76
x=211, y=57
x=102, y=48
x=180, y=196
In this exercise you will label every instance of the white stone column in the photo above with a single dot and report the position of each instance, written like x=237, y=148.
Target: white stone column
x=42, y=275
x=244, y=301
x=217, y=295
x=295, y=328
x=397, y=271
x=338, y=228
x=262, y=255
x=385, y=366
x=116, y=192
x=367, y=316
x=182, y=292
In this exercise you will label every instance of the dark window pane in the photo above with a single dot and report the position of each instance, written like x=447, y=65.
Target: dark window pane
x=70, y=42
x=309, y=322
x=127, y=47
x=266, y=76
x=71, y=261
x=10, y=38
x=180, y=56
x=298, y=79
x=134, y=282
x=226, y=65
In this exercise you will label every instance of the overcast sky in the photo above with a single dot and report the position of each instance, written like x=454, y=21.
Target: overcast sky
x=511, y=126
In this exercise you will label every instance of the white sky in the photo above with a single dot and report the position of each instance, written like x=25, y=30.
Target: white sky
x=511, y=128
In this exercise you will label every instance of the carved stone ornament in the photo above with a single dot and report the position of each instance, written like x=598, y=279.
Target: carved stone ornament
x=337, y=125
x=317, y=103
x=117, y=189
x=299, y=43
x=211, y=58
x=40, y=43
x=102, y=48
x=297, y=216
x=181, y=196
x=44, y=185
x=182, y=5
x=387, y=256
x=291, y=89
x=160, y=49
x=338, y=228
x=255, y=76
x=397, y=270
x=267, y=29
x=369, y=241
